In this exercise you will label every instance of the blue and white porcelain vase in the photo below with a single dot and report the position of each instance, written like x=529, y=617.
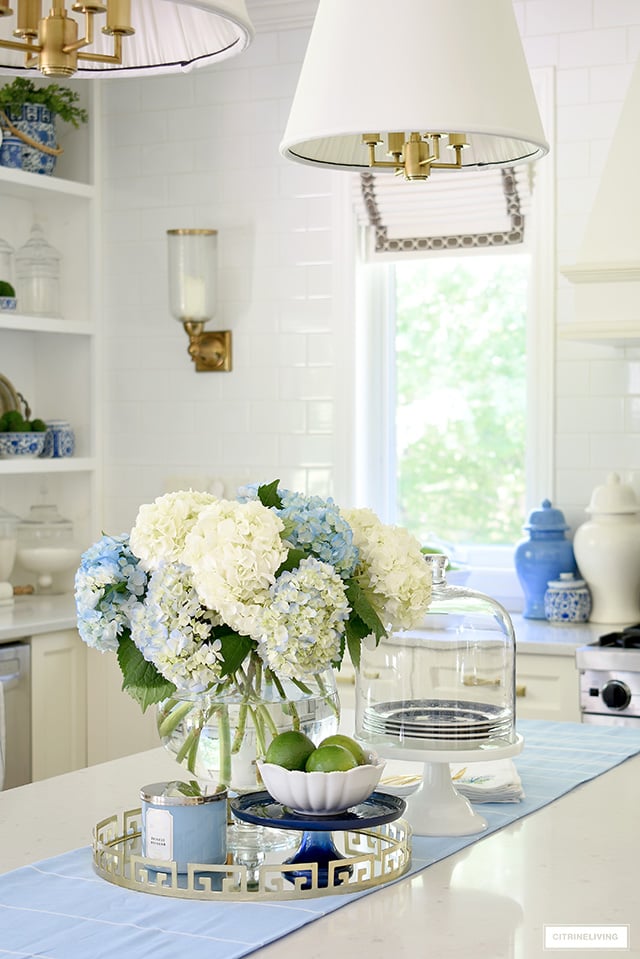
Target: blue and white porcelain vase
x=567, y=600
x=38, y=123
x=543, y=556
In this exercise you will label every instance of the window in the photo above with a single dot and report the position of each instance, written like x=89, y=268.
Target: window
x=460, y=397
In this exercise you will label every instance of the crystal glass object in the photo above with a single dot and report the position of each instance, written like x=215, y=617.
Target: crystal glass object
x=449, y=685
x=46, y=546
x=6, y=261
x=38, y=275
x=440, y=694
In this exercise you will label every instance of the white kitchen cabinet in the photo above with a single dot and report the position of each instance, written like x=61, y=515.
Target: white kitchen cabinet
x=547, y=687
x=116, y=724
x=58, y=704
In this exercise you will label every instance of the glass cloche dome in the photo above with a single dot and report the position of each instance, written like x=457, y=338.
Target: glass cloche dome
x=449, y=685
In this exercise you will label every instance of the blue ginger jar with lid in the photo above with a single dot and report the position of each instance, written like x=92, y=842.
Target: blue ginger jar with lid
x=543, y=556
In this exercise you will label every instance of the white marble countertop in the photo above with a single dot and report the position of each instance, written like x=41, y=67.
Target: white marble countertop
x=33, y=615
x=573, y=862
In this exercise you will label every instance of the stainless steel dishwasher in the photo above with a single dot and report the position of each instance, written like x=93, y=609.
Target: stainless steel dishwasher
x=15, y=676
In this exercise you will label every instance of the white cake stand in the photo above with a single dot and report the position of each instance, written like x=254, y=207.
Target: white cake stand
x=437, y=808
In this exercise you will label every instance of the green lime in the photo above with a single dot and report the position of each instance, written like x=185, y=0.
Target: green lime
x=354, y=748
x=330, y=758
x=290, y=749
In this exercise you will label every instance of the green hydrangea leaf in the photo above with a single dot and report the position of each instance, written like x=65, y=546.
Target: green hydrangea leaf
x=363, y=621
x=235, y=649
x=141, y=679
x=269, y=496
x=292, y=561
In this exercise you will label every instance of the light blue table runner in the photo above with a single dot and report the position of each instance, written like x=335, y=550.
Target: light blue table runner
x=60, y=909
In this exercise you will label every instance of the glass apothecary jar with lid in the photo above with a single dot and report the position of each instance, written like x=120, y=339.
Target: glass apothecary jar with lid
x=38, y=275
x=446, y=686
x=46, y=545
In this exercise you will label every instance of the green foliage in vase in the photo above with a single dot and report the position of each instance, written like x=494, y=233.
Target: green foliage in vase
x=62, y=101
x=460, y=341
x=6, y=289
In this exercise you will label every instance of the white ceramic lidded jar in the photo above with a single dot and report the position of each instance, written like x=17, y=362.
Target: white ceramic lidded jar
x=607, y=550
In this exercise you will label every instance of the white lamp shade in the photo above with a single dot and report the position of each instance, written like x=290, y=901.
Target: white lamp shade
x=374, y=66
x=170, y=36
x=192, y=274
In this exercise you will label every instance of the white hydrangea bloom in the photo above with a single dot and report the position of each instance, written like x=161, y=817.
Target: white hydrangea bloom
x=304, y=621
x=234, y=551
x=161, y=527
x=392, y=569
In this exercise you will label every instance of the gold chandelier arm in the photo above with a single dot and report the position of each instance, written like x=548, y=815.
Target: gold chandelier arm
x=84, y=41
x=115, y=57
x=23, y=47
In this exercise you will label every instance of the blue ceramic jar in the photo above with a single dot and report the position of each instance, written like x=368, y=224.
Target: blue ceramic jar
x=567, y=600
x=59, y=439
x=543, y=556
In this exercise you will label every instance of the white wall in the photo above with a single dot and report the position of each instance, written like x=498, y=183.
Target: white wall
x=202, y=150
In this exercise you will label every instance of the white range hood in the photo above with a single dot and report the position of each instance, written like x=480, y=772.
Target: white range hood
x=607, y=274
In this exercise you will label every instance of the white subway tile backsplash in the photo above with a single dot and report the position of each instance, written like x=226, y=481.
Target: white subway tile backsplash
x=632, y=414
x=608, y=377
x=609, y=83
x=572, y=451
x=281, y=416
x=592, y=48
x=572, y=86
x=615, y=451
x=633, y=376
x=565, y=15
x=320, y=416
x=308, y=451
x=615, y=13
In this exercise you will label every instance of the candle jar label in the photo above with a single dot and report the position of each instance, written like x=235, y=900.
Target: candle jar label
x=159, y=834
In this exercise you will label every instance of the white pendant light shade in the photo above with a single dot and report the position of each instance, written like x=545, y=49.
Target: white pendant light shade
x=429, y=66
x=170, y=36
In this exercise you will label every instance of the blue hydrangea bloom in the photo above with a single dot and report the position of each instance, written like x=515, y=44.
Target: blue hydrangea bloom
x=108, y=583
x=316, y=526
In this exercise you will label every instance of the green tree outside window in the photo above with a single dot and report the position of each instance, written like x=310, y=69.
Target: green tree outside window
x=461, y=397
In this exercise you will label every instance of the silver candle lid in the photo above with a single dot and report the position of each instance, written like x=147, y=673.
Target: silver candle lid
x=177, y=793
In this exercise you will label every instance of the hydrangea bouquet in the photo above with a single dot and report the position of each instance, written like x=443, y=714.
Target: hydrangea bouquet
x=207, y=596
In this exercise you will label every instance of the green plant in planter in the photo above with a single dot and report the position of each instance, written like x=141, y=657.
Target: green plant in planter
x=6, y=289
x=28, y=115
x=61, y=101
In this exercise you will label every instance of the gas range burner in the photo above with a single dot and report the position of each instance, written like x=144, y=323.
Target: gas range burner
x=628, y=638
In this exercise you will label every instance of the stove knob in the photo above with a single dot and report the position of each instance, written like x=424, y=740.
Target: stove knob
x=616, y=694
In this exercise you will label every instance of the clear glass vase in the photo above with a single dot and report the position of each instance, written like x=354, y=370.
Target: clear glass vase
x=218, y=735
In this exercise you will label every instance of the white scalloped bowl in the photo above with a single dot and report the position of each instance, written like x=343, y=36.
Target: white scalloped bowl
x=321, y=794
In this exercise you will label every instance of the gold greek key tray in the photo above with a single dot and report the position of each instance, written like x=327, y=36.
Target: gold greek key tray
x=372, y=857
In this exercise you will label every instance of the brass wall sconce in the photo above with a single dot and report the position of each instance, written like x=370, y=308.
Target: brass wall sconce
x=192, y=296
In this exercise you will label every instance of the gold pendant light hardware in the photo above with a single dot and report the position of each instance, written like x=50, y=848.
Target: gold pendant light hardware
x=58, y=46
x=211, y=352
x=414, y=158
x=89, y=7
x=91, y=38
